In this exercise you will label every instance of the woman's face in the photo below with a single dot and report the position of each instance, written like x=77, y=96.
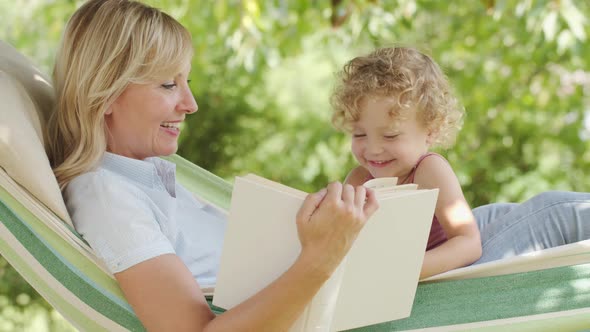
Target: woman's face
x=144, y=121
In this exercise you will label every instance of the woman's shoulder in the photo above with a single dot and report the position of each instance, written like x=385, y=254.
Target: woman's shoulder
x=99, y=180
x=101, y=187
x=116, y=218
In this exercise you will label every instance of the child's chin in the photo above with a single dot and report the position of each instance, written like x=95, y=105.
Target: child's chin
x=380, y=174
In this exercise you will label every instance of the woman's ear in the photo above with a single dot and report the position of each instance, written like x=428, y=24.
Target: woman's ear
x=112, y=104
x=110, y=108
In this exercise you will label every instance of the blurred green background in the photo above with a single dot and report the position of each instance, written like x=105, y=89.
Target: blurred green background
x=263, y=72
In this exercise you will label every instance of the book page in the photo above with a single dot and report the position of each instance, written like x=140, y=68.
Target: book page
x=318, y=314
x=377, y=183
x=407, y=186
x=383, y=266
x=275, y=185
x=261, y=241
x=382, y=193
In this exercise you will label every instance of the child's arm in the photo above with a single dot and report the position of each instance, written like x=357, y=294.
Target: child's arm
x=357, y=176
x=463, y=245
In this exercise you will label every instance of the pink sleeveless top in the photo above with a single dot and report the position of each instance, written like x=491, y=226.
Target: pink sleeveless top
x=437, y=234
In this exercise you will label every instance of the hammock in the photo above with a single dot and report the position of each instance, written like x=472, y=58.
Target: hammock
x=545, y=291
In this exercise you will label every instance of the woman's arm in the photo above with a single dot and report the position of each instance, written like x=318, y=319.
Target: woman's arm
x=166, y=297
x=463, y=245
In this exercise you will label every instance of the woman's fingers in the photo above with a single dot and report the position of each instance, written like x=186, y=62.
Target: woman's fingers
x=348, y=194
x=371, y=204
x=310, y=204
x=339, y=203
x=334, y=194
x=330, y=220
x=360, y=197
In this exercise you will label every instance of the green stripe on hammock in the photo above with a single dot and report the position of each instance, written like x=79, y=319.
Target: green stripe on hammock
x=437, y=304
x=71, y=276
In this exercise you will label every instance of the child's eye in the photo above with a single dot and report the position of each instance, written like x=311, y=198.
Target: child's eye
x=358, y=135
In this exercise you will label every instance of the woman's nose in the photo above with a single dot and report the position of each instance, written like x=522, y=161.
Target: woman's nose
x=189, y=104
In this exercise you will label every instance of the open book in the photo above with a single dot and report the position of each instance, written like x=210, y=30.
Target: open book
x=375, y=283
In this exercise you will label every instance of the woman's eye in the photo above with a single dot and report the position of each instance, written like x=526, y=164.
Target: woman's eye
x=169, y=86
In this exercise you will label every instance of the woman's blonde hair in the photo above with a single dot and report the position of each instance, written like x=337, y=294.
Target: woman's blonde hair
x=107, y=44
x=412, y=78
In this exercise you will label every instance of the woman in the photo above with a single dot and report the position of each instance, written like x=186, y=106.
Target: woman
x=121, y=76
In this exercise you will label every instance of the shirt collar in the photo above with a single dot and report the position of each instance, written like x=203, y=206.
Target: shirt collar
x=151, y=172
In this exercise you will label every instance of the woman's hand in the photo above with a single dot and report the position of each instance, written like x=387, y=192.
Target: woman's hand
x=329, y=221
x=166, y=297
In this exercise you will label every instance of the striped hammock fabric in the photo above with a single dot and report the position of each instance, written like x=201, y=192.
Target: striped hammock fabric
x=550, y=299
x=63, y=269
x=545, y=291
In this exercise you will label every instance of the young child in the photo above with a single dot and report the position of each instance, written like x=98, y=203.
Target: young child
x=397, y=104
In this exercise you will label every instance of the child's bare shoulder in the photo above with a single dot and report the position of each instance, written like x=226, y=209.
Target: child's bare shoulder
x=357, y=176
x=434, y=160
x=433, y=169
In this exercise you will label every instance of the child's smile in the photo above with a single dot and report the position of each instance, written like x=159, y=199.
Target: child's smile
x=388, y=145
x=377, y=163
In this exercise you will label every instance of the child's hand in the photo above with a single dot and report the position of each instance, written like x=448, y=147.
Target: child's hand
x=329, y=221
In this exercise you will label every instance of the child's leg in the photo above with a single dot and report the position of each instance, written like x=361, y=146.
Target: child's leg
x=547, y=220
x=486, y=214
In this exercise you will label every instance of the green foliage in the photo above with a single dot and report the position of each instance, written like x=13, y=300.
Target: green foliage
x=263, y=72
x=520, y=69
x=22, y=309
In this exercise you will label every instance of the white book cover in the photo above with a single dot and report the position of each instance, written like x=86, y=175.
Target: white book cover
x=380, y=272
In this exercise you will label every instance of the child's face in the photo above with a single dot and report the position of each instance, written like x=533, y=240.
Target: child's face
x=387, y=145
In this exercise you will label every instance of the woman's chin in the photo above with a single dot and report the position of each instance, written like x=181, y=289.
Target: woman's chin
x=167, y=151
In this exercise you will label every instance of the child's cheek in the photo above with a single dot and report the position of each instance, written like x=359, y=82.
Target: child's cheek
x=357, y=152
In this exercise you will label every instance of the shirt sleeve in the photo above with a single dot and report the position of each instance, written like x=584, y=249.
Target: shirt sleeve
x=117, y=220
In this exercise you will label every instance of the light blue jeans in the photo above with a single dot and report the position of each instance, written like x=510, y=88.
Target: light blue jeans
x=547, y=220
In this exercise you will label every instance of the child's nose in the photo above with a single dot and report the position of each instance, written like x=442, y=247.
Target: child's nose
x=374, y=147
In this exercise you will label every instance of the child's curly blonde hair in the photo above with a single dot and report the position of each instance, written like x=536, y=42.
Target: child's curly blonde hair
x=411, y=77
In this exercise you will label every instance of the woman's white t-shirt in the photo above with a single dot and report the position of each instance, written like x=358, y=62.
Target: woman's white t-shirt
x=131, y=210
